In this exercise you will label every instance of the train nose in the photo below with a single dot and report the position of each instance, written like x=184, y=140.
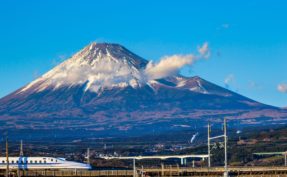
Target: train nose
x=84, y=166
x=89, y=167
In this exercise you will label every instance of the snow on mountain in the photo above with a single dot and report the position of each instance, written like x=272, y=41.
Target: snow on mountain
x=97, y=66
x=102, y=66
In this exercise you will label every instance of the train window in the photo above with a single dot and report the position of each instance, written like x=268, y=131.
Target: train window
x=52, y=160
x=40, y=161
x=3, y=161
x=17, y=161
x=36, y=161
x=31, y=161
x=12, y=161
x=45, y=161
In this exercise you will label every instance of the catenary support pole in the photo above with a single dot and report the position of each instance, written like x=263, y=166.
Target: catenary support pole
x=88, y=156
x=208, y=144
x=134, y=167
x=7, y=158
x=285, y=159
x=21, y=149
x=225, y=149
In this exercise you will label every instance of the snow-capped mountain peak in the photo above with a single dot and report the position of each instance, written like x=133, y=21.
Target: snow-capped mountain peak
x=107, y=51
x=98, y=66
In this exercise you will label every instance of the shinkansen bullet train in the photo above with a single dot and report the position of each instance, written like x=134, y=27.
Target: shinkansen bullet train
x=30, y=163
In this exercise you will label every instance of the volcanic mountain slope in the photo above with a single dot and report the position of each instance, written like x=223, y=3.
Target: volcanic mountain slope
x=104, y=88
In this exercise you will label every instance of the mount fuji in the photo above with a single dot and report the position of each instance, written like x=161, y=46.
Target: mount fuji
x=105, y=89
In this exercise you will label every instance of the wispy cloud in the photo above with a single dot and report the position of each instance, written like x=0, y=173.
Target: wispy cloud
x=36, y=74
x=170, y=65
x=225, y=25
x=229, y=79
x=282, y=87
x=59, y=59
x=204, y=50
x=254, y=85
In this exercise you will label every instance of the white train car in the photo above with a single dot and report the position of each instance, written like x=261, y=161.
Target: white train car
x=31, y=163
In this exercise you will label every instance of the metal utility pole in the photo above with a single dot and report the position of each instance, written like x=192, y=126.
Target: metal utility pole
x=142, y=173
x=7, y=159
x=225, y=149
x=285, y=159
x=88, y=155
x=21, y=149
x=225, y=146
x=134, y=167
x=21, y=156
x=208, y=144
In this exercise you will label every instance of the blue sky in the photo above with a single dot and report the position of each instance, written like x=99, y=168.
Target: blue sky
x=247, y=39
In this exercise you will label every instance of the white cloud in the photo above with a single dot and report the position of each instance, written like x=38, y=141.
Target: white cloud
x=229, y=80
x=59, y=59
x=254, y=85
x=167, y=66
x=282, y=88
x=36, y=74
x=170, y=65
x=225, y=25
x=204, y=50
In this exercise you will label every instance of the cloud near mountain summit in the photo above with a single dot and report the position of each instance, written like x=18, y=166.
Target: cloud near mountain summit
x=170, y=65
